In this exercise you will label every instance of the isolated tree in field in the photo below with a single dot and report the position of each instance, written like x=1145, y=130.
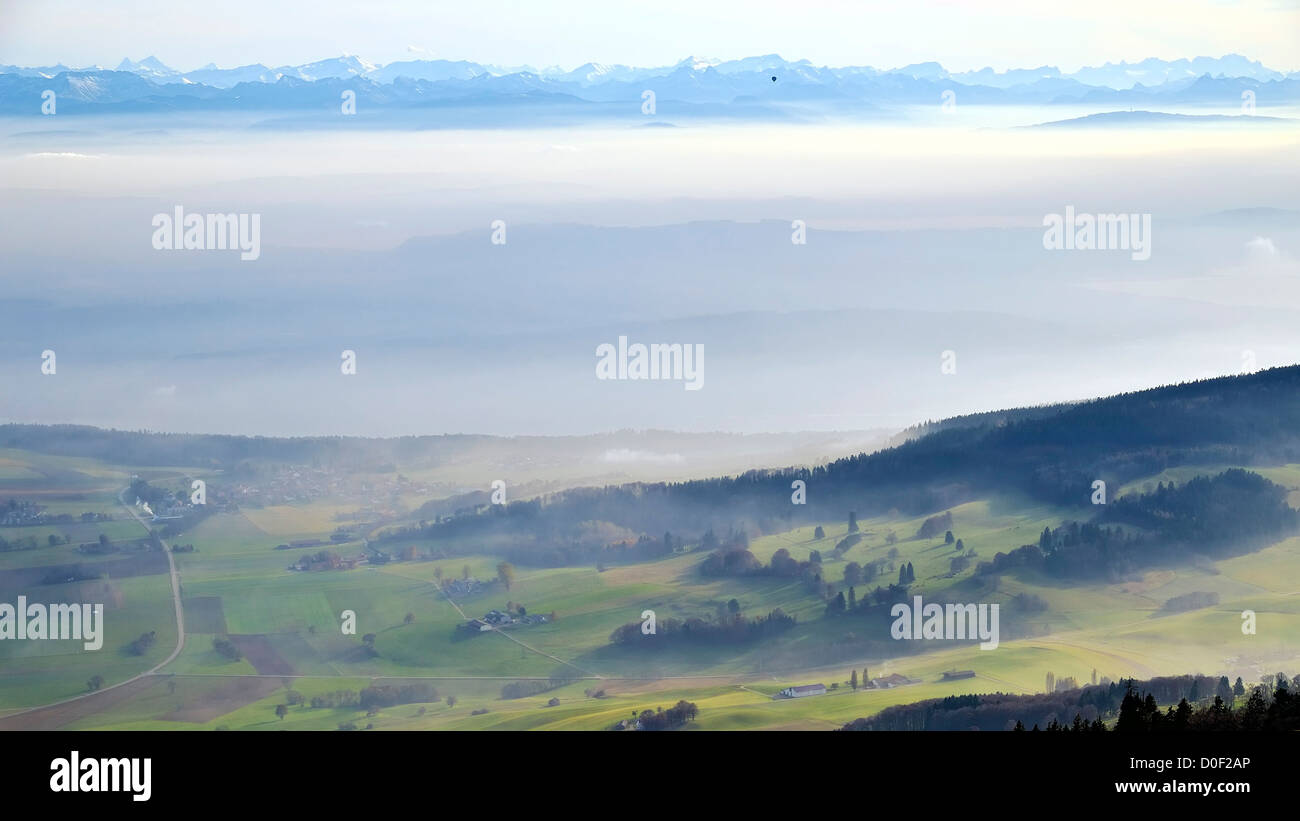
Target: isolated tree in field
x=853, y=679
x=506, y=573
x=960, y=545
x=95, y=682
x=281, y=711
x=226, y=648
x=852, y=573
x=141, y=645
x=853, y=522
x=947, y=537
x=451, y=701
x=865, y=678
x=408, y=618
x=819, y=532
x=902, y=575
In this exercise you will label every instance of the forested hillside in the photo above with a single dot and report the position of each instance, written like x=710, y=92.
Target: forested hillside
x=1053, y=455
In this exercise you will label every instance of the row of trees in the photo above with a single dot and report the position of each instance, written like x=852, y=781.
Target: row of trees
x=1277, y=709
x=870, y=602
x=1230, y=513
x=25, y=543
x=731, y=628
x=1195, y=703
x=376, y=696
x=670, y=719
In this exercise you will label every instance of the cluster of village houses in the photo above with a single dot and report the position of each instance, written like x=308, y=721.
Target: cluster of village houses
x=296, y=484
x=498, y=618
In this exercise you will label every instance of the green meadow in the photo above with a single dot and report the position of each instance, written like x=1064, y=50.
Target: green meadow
x=288, y=623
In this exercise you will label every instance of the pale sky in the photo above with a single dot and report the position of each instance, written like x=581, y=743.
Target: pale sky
x=958, y=33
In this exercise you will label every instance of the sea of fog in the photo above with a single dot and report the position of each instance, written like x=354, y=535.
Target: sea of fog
x=923, y=288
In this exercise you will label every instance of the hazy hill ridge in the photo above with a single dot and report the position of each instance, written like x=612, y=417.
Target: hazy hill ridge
x=1053, y=454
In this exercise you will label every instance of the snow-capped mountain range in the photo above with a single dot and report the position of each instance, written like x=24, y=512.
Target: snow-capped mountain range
x=752, y=87
x=1123, y=75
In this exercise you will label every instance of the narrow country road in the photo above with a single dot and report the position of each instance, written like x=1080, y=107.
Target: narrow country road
x=176, y=593
x=180, y=628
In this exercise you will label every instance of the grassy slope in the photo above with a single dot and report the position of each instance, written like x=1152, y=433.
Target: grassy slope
x=41, y=672
x=1115, y=629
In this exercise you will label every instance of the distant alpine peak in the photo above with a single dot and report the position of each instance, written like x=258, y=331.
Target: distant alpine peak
x=149, y=65
x=697, y=63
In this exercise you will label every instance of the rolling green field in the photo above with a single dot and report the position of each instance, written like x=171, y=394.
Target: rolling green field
x=288, y=623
